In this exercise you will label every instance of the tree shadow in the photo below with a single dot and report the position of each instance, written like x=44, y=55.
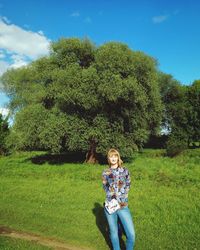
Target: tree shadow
x=103, y=226
x=59, y=159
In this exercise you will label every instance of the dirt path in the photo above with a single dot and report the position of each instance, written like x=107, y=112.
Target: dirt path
x=50, y=242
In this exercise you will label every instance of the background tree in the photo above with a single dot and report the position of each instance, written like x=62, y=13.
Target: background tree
x=193, y=96
x=174, y=98
x=4, y=131
x=84, y=98
x=181, y=116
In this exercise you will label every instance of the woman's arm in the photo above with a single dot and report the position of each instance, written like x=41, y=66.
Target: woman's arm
x=110, y=192
x=127, y=180
x=105, y=182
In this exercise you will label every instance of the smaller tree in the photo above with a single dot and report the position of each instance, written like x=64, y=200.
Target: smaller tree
x=177, y=142
x=193, y=96
x=4, y=131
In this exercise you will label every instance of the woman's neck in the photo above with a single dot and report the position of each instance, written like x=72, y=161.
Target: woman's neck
x=114, y=166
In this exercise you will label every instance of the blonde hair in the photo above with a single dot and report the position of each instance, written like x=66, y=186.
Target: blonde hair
x=114, y=151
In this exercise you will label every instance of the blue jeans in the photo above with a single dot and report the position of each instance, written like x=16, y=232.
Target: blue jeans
x=126, y=220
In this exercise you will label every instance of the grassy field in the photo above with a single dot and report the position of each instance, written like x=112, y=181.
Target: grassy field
x=65, y=200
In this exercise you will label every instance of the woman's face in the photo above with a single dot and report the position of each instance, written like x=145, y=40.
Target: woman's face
x=113, y=159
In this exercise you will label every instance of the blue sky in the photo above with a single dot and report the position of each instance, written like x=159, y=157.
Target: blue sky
x=167, y=30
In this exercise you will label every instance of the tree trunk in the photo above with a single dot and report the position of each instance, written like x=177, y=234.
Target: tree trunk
x=91, y=156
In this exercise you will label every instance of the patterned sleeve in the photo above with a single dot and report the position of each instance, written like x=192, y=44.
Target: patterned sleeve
x=105, y=182
x=128, y=180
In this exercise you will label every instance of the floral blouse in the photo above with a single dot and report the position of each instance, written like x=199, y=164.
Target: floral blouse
x=116, y=183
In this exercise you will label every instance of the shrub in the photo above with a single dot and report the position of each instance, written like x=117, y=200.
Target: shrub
x=177, y=142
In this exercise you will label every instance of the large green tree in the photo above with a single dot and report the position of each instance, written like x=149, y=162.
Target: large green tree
x=86, y=98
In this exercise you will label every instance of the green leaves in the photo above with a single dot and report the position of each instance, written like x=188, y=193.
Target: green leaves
x=72, y=51
x=114, y=57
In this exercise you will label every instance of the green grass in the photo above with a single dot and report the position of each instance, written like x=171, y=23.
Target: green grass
x=65, y=200
x=7, y=243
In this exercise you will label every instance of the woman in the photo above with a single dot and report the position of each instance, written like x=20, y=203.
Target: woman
x=116, y=183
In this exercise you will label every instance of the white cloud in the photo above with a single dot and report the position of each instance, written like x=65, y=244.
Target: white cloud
x=3, y=67
x=41, y=32
x=18, y=61
x=75, y=14
x=4, y=111
x=15, y=61
x=160, y=19
x=20, y=46
x=17, y=40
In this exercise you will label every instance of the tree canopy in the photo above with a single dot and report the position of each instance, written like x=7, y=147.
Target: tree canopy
x=86, y=98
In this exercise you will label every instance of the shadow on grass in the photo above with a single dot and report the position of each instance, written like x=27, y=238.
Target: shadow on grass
x=103, y=226
x=59, y=159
